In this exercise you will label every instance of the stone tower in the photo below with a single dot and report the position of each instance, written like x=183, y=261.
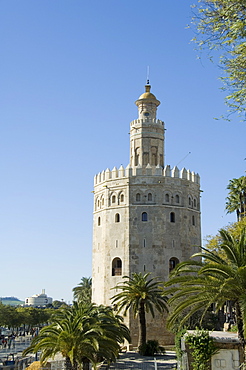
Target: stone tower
x=146, y=216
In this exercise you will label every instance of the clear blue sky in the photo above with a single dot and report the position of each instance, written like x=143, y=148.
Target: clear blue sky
x=70, y=73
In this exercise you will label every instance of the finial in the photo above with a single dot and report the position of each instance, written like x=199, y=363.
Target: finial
x=147, y=75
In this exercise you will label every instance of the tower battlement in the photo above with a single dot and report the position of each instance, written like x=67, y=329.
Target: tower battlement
x=152, y=121
x=148, y=170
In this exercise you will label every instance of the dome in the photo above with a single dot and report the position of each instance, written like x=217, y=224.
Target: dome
x=148, y=96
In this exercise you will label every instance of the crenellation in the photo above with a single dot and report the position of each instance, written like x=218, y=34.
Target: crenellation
x=175, y=172
x=141, y=121
x=107, y=174
x=183, y=173
x=167, y=171
x=128, y=171
x=114, y=173
x=139, y=170
x=121, y=171
x=158, y=170
x=146, y=171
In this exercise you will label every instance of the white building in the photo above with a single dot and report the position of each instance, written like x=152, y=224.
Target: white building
x=38, y=300
x=146, y=216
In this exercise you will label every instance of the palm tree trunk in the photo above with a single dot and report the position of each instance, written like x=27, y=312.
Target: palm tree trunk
x=86, y=364
x=240, y=327
x=142, y=324
x=69, y=365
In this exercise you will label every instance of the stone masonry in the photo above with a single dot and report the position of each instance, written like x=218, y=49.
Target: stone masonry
x=146, y=216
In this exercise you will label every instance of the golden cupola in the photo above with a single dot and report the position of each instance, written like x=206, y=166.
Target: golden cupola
x=147, y=104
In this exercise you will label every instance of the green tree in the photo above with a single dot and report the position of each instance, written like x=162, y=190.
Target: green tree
x=142, y=295
x=221, y=25
x=236, y=200
x=82, y=334
x=213, y=242
x=58, y=304
x=214, y=279
x=82, y=292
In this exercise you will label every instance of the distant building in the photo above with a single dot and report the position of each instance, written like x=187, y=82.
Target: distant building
x=38, y=300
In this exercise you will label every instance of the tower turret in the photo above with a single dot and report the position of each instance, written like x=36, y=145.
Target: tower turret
x=147, y=133
x=147, y=104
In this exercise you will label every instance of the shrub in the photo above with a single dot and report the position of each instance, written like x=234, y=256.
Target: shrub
x=150, y=348
x=203, y=348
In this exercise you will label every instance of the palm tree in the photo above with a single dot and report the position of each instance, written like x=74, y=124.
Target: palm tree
x=82, y=334
x=82, y=292
x=236, y=200
x=113, y=334
x=216, y=278
x=141, y=295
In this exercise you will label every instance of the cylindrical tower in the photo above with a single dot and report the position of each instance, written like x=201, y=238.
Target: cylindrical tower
x=146, y=216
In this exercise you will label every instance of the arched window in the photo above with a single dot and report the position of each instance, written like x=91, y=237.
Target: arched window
x=117, y=217
x=172, y=217
x=98, y=203
x=137, y=152
x=189, y=201
x=99, y=221
x=144, y=216
x=194, y=202
x=167, y=198
x=113, y=199
x=177, y=198
x=154, y=156
x=122, y=198
x=193, y=221
x=173, y=263
x=145, y=158
x=102, y=201
x=150, y=197
x=138, y=197
x=116, y=267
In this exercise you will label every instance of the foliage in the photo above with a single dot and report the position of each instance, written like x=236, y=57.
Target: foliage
x=196, y=284
x=82, y=334
x=221, y=25
x=236, y=200
x=213, y=243
x=58, y=304
x=142, y=295
x=14, y=317
x=82, y=292
x=150, y=348
x=178, y=349
x=203, y=348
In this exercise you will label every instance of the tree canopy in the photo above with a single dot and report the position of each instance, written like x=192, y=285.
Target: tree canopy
x=221, y=25
x=82, y=333
x=82, y=292
x=216, y=278
x=236, y=200
x=141, y=294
